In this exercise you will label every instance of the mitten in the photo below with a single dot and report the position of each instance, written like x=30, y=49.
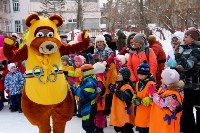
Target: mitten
x=151, y=89
x=7, y=91
x=135, y=100
x=146, y=101
x=128, y=110
x=179, y=68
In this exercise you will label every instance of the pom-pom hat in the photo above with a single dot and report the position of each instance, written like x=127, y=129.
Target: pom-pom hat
x=170, y=76
x=143, y=68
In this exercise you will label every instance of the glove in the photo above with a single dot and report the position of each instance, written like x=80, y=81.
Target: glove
x=146, y=101
x=112, y=87
x=179, y=68
x=65, y=73
x=135, y=100
x=151, y=89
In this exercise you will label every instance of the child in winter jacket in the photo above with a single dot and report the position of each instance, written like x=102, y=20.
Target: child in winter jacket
x=166, y=109
x=141, y=99
x=87, y=93
x=65, y=65
x=14, y=82
x=100, y=118
x=75, y=75
x=122, y=112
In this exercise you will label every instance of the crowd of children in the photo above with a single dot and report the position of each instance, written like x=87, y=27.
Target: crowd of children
x=128, y=87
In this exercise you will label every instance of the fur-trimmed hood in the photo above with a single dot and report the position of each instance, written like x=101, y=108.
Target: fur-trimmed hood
x=175, y=86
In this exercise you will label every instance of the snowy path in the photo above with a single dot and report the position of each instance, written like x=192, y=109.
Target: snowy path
x=14, y=122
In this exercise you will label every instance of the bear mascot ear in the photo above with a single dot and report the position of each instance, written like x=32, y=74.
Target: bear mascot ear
x=32, y=19
x=57, y=20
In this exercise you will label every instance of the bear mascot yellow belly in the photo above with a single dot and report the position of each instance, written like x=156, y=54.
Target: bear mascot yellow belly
x=46, y=93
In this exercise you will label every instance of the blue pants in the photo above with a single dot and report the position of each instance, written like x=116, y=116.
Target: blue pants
x=16, y=101
x=1, y=100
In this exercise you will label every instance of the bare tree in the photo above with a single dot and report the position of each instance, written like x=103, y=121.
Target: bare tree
x=50, y=7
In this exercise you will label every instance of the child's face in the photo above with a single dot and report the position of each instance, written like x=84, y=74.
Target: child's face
x=187, y=40
x=119, y=77
x=64, y=40
x=13, y=69
x=175, y=41
x=100, y=44
x=77, y=63
x=64, y=63
x=142, y=77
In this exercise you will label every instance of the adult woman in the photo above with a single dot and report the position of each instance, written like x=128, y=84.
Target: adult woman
x=139, y=54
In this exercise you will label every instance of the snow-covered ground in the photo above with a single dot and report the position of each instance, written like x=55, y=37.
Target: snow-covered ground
x=14, y=122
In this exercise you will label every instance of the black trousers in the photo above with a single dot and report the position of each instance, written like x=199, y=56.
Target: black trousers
x=16, y=101
x=187, y=118
x=88, y=125
x=127, y=128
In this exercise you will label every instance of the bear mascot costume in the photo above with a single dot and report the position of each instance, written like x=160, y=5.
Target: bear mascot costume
x=46, y=93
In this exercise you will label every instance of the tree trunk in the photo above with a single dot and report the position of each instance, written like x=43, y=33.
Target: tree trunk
x=79, y=15
x=142, y=17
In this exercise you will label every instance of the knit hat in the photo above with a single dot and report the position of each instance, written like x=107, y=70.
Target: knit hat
x=125, y=72
x=100, y=38
x=99, y=67
x=87, y=69
x=79, y=58
x=170, y=76
x=151, y=39
x=14, y=35
x=65, y=58
x=193, y=33
x=121, y=58
x=140, y=38
x=143, y=68
x=11, y=65
x=108, y=38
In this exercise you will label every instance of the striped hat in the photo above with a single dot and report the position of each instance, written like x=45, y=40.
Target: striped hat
x=87, y=69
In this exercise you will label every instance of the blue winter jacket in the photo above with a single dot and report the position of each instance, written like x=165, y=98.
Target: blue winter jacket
x=14, y=82
x=87, y=92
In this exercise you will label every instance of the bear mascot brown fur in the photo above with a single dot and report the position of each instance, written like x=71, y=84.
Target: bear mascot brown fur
x=46, y=93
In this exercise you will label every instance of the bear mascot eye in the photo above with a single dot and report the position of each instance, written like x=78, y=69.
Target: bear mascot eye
x=40, y=34
x=50, y=34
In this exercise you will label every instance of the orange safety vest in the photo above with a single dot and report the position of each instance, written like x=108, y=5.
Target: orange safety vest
x=142, y=117
x=100, y=100
x=157, y=115
x=119, y=116
x=111, y=77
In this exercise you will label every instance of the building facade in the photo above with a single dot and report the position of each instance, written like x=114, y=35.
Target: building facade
x=13, y=19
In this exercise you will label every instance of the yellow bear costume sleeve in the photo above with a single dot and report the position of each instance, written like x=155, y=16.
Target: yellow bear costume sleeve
x=46, y=93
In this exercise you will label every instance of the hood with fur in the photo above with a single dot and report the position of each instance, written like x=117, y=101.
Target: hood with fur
x=175, y=86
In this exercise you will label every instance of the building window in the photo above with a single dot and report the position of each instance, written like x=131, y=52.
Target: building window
x=72, y=20
x=90, y=1
x=17, y=26
x=56, y=0
x=5, y=7
x=15, y=5
x=7, y=26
